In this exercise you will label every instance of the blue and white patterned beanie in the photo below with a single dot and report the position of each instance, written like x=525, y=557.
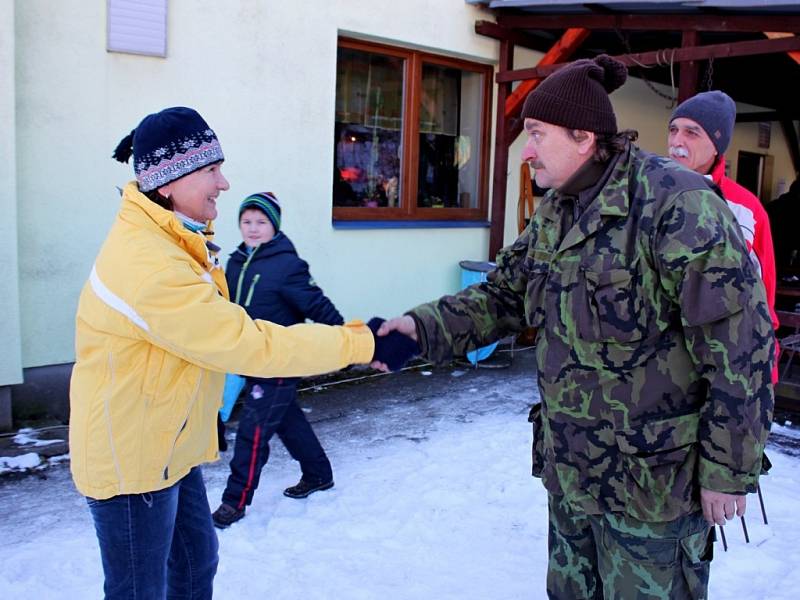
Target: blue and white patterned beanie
x=168, y=145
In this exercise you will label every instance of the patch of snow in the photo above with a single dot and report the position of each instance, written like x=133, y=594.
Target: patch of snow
x=27, y=437
x=22, y=462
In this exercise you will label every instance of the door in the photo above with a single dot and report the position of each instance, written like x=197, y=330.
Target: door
x=754, y=171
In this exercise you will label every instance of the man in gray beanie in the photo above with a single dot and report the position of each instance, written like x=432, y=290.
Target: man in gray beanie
x=645, y=302
x=700, y=131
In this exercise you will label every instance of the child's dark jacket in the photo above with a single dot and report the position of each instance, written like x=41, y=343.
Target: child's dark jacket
x=274, y=284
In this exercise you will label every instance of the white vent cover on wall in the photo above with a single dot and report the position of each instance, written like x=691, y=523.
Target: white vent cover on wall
x=137, y=26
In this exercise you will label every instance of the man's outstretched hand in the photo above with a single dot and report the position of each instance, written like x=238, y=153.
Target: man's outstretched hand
x=395, y=342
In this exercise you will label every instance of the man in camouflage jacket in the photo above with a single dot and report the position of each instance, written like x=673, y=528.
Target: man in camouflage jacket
x=653, y=352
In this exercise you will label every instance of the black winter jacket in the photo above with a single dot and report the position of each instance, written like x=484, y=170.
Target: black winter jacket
x=274, y=284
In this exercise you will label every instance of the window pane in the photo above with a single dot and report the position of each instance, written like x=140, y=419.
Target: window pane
x=449, y=138
x=369, y=116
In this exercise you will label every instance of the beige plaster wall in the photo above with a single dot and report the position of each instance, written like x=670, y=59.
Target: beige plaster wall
x=11, y=354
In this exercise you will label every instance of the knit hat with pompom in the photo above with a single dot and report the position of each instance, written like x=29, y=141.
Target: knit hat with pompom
x=168, y=145
x=576, y=96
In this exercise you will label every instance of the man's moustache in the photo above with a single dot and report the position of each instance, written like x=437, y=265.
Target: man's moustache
x=679, y=152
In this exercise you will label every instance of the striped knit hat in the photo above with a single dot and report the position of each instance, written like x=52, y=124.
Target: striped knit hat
x=168, y=145
x=267, y=203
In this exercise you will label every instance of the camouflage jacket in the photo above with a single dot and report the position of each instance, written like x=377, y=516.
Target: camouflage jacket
x=654, y=343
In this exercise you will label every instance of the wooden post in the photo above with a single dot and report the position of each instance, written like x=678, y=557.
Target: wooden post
x=688, y=78
x=790, y=133
x=500, y=173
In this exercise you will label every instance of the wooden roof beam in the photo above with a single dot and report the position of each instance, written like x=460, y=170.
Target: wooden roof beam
x=664, y=22
x=774, y=35
x=517, y=38
x=667, y=56
x=599, y=9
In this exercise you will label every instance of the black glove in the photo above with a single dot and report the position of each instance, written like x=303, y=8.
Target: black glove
x=393, y=349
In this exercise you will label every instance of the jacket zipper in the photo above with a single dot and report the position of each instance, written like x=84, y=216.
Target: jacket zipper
x=183, y=426
x=242, y=272
x=252, y=288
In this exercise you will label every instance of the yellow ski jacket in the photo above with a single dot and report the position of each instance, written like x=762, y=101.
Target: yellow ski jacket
x=155, y=334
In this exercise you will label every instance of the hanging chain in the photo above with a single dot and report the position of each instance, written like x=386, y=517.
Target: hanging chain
x=709, y=79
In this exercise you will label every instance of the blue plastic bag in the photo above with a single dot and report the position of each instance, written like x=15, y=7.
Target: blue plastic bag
x=233, y=387
x=475, y=272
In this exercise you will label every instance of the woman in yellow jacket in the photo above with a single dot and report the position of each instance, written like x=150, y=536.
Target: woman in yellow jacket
x=155, y=335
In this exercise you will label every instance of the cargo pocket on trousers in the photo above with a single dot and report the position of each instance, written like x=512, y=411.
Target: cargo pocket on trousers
x=697, y=552
x=537, y=443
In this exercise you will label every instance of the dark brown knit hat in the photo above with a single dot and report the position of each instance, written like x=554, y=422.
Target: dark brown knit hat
x=576, y=96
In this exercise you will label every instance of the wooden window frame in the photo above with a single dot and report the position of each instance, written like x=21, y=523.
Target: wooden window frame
x=409, y=173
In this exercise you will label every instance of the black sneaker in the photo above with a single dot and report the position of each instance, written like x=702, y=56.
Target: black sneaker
x=304, y=488
x=226, y=515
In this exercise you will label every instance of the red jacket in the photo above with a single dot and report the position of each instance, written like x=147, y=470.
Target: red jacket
x=754, y=223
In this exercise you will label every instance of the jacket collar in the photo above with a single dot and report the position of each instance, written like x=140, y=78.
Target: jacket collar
x=608, y=197
x=584, y=179
x=139, y=209
x=276, y=244
x=718, y=172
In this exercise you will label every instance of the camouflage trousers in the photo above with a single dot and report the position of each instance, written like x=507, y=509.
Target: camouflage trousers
x=614, y=556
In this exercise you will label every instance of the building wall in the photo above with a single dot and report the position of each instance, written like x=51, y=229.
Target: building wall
x=263, y=75
x=11, y=355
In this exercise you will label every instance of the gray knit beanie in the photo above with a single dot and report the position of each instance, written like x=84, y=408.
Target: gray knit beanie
x=715, y=112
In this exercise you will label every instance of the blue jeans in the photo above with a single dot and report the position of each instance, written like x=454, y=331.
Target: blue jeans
x=158, y=544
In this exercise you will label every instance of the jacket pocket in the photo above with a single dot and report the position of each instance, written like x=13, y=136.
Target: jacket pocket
x=659, y=462
x=152, y=376
x=697, y=552
x=608, y=306
x=536, y=269
x=537, y=442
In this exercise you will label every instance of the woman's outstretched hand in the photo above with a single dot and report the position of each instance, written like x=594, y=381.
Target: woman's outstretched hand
x=395, y=342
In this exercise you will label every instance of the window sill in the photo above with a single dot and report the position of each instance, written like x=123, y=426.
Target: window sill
x=409, y=224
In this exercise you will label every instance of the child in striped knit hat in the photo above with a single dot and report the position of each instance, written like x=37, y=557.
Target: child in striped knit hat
x=267, y=277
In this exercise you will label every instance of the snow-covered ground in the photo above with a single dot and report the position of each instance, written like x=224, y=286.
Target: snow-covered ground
x=433, y=500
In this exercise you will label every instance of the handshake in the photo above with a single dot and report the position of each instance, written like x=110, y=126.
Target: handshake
x=395, y=342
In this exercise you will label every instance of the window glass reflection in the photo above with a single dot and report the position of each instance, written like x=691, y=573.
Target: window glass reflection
x=449, y=138
x=368, y=132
